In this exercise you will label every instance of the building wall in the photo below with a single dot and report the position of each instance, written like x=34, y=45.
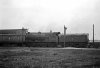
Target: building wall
x=14, y=31
x=13, y=36
x=74, y=38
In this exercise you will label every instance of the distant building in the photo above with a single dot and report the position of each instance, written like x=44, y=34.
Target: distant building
x=13, y=35
x=14, y=31
x=75, y=38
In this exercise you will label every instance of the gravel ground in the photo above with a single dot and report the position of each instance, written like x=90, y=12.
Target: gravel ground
x=24, y=57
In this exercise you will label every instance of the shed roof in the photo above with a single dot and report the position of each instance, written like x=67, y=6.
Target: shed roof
x=11, y=31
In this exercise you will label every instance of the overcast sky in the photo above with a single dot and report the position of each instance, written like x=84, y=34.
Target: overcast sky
x=45, y=15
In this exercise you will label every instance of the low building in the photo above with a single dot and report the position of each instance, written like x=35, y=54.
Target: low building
x=75, y=40
x=96, y=44
x=14, y=31
x=13, y=35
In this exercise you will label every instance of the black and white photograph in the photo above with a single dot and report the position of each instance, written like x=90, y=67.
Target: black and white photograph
x=49, y=33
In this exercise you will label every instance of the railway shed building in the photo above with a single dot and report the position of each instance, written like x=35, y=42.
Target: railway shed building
x=12, y=35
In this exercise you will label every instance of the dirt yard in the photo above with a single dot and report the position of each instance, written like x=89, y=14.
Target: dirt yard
x=24, y=57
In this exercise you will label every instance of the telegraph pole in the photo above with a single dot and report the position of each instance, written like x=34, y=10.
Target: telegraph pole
x=64, y=35
x=93, y=34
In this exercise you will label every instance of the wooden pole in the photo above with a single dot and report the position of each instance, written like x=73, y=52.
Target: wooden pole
x=93, y=34
x=64, y=35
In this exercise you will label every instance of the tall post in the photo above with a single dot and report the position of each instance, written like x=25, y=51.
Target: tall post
x=93, y=34
x=64, y=35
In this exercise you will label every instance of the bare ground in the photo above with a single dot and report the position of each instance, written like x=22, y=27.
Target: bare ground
x=24, y=57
